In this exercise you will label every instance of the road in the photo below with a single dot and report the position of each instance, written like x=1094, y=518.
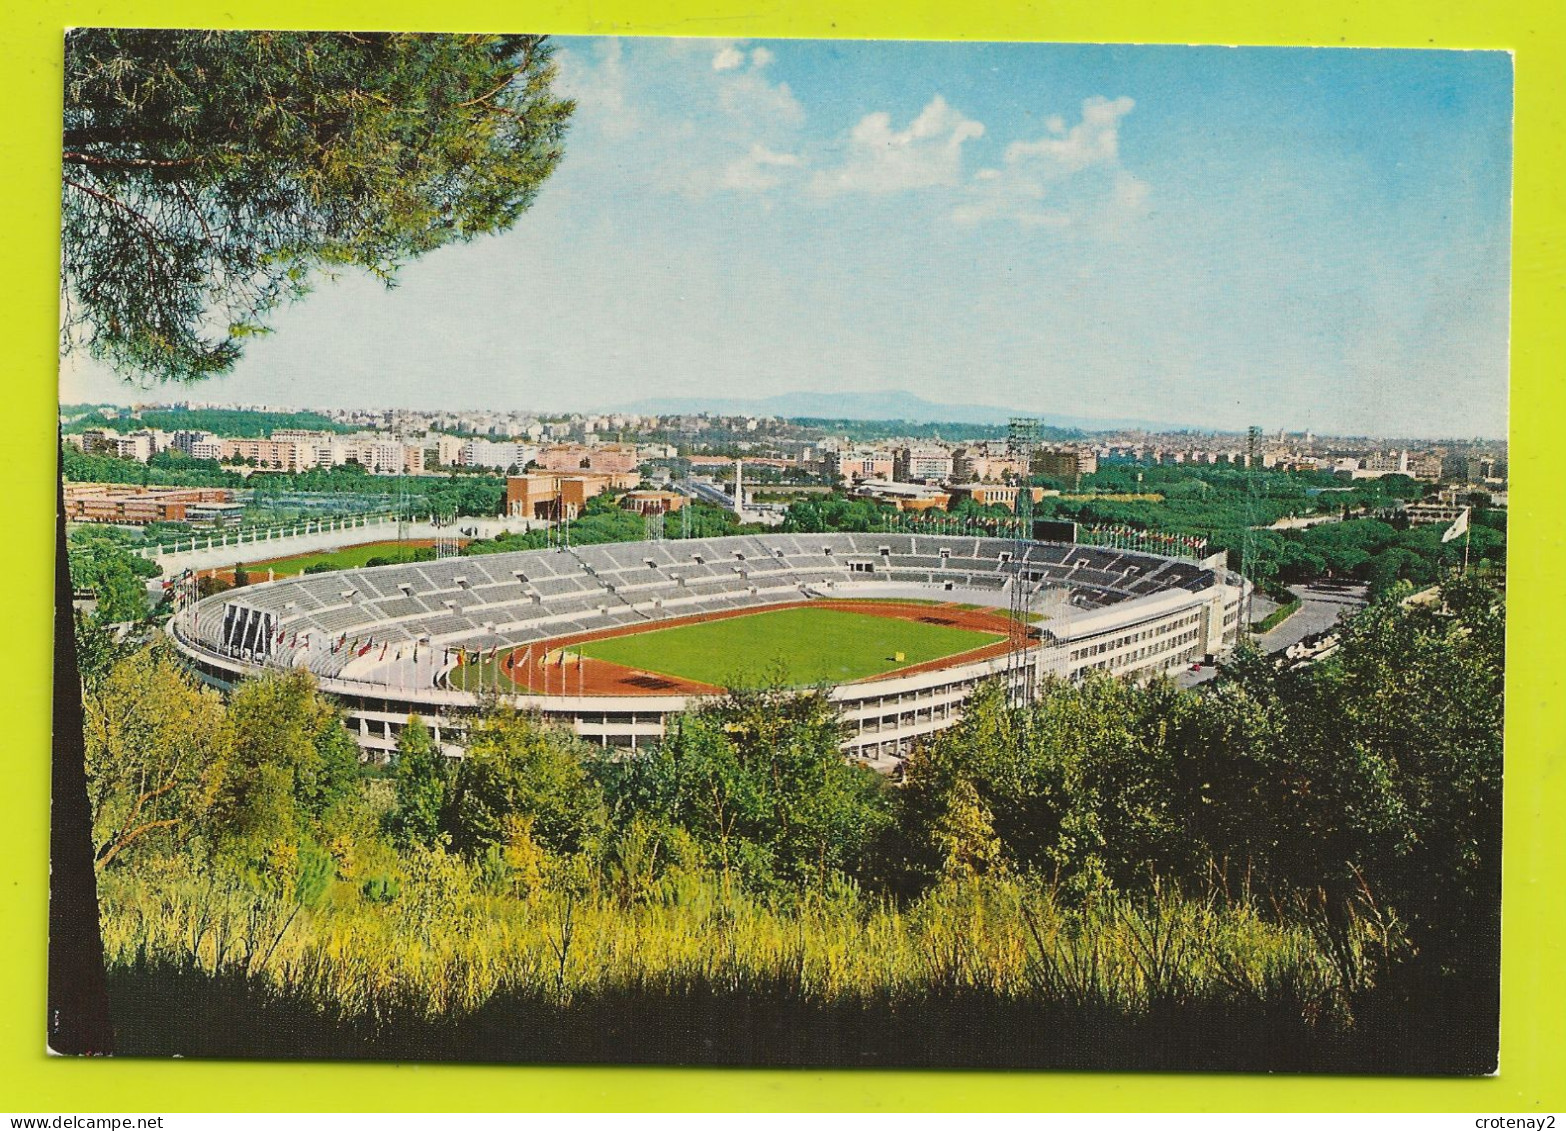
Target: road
x=1320, y=607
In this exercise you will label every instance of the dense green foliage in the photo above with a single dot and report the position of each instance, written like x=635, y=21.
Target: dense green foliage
x=167, y=471
x=208, y=175
x=1381, y=553
x=158, y=750
x=835, y=513
x=1371, y=778
x=1371, y=543
x=754, y=787
x=1290, y=866
x=446, y=495
x=1216, y=503
x=422, y=778
x=101, y=565
x=238, y=422
x=525, y=791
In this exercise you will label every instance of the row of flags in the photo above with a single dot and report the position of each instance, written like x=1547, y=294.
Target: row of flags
x=1123, y=537
x=927, y=523
x=469, y=656
x=1113, y=536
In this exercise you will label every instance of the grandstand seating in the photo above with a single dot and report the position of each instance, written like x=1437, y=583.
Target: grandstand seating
x=515, y=599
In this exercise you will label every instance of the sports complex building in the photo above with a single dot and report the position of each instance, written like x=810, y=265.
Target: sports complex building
x=614, y=639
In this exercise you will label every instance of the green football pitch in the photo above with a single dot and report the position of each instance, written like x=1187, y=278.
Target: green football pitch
x=799, y=646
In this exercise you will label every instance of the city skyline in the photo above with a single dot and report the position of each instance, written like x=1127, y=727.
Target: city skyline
x=1300, y=238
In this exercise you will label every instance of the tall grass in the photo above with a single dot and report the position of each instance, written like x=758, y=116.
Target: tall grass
x=449, y=947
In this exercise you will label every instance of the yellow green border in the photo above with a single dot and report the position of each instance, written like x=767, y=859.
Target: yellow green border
x=1534, y=1018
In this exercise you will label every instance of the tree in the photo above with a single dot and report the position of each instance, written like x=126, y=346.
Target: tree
x=820, y=811
x=121, y=594
x=157, y=751
x=834, y=512
x=696, y=780
x=293, y=764
x=1396, y=751
x=964, y=834
x=521, y=776
x=100, y=564
x=208, y=175
x=759, y=781
x=420, y=785
x=98, y=648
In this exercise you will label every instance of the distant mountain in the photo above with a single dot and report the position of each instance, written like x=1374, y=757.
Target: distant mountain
x=889, y=405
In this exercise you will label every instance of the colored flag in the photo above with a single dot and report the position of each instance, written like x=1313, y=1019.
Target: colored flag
x=368, y=644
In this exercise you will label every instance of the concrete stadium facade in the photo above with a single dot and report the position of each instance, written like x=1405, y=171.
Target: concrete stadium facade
x=1123, y=612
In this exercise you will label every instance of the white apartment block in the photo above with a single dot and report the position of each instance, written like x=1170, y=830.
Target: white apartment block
x=500, y=454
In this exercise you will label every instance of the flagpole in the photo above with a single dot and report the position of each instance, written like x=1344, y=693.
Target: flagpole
x=1467, y=534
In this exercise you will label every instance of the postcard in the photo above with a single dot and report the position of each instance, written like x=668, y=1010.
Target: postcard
x=789, y=552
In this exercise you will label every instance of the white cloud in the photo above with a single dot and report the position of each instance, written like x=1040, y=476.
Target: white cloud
x=687, y=117
x=757, y=104
x=694, y=118
x=1067, y=178
x=880, y=159
x=598, y=82
x=1093, y=141
x=994, y=195
x=759, y=170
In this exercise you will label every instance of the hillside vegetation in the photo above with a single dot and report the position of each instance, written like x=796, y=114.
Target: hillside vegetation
x=1291, y=871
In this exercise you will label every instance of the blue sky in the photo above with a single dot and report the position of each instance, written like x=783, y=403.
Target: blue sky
x=1212, y=236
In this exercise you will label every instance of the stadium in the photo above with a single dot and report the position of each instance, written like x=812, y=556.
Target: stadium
x=615, y=639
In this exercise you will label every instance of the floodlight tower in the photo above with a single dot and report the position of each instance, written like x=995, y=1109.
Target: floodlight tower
x=1022, y=438
x=402, y=516
x=1252, y=513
